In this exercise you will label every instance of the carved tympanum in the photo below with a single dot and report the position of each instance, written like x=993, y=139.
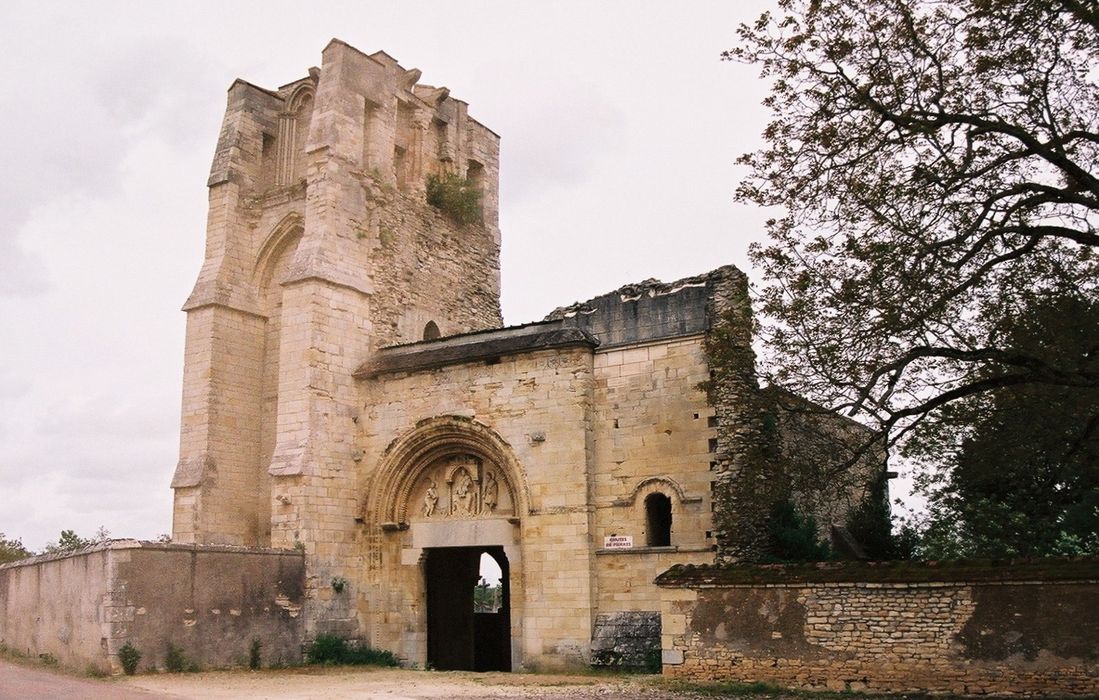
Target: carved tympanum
x=431, y=499
x=461, y=486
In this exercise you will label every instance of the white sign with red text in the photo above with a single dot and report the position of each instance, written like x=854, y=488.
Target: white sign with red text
x=618, y=542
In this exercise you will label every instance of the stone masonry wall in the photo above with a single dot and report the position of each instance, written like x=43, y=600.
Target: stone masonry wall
x=1026, y=637
x=626, y=639
x=321, y=248
x=770, y=444
x=538, y=404
x=211, y=602
x=652, y=433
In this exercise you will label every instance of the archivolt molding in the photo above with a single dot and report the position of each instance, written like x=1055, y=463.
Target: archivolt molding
x=463, y=468
x=663, y=484
x=298, y=98
x=284, y=233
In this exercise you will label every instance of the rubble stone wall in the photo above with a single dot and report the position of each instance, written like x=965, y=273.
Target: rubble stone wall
x=1026, y=637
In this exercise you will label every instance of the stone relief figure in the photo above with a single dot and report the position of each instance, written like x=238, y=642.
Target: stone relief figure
x=463, y=500
x=492, y=492
x=431, y=499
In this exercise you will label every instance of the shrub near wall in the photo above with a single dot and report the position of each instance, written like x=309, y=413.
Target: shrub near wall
x=968, y=627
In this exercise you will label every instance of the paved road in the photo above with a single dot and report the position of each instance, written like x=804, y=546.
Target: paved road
x=19, y=682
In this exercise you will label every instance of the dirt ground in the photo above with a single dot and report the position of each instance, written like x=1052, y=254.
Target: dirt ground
x=389, y=684
x=25, y=679
x=28, y=680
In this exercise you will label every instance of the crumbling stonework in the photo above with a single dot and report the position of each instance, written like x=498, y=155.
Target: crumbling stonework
x=348, y=389
x=770, y=444
x=320, y=248
x=1017, y=629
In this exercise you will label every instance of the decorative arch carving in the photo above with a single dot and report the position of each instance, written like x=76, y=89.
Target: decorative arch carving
x=663, y=484
x=301, y=95
x=447, y=467
x=284, y=234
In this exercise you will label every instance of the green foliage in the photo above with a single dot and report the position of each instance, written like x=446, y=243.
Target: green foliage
x=69, y=541
x=94, y=671
x=176, y=662
x=129, y=657
x=254, y=658
x=936, y=163
x=326, y=649
x=654, y=662
x=486, y=598
x=1021, y=473
x=368, y=656
x=455, y=196
x=872, y=526
x=12, y=550
x=386, y=236
x=330, y=649
x=48, y=659
x=792, y=535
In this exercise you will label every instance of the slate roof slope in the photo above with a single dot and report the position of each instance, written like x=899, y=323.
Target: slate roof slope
x=474, y=347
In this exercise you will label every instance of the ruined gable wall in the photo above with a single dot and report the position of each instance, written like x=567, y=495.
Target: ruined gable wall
x=815, y=445
x=652, y=436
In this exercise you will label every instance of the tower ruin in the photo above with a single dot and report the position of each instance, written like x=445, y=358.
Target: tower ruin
x=320, y=248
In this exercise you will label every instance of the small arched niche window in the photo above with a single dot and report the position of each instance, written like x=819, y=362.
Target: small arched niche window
x=431, y=331
x=658, y=520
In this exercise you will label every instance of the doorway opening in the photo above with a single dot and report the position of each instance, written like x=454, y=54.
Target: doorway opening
x=468, y=609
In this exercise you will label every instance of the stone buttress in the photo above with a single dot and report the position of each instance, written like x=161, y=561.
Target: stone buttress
x=320, y=248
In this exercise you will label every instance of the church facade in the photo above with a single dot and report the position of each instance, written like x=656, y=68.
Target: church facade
x=349, y=391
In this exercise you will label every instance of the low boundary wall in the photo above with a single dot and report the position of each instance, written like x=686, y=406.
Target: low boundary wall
x=208, y=601
x=1025, y=628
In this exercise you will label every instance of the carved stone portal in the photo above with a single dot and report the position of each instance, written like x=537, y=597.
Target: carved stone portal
x=461, y=486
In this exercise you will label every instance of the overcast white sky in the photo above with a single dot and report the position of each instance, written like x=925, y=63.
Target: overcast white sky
x=620, y=130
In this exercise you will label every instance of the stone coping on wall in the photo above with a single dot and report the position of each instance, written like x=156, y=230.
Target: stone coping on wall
x=1076, y=569
x=473, y=347
x=123, y=543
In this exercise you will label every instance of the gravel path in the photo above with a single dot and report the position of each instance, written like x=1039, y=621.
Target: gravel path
x=376, y=684
x=24, y=682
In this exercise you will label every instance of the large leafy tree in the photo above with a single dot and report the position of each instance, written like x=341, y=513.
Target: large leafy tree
x=935, y=165
x=1023, y=475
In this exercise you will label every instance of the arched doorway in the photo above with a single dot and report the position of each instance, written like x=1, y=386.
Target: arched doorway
x=448, y=493
x=468, y=619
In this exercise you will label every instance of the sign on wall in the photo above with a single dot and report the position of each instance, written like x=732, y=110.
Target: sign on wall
x=618, y=542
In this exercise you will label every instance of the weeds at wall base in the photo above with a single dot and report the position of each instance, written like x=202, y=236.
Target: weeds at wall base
x=93, y=671
x=128, y=657
x=330, y=650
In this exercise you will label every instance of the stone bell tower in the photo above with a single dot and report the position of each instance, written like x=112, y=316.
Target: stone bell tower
x=320, y=249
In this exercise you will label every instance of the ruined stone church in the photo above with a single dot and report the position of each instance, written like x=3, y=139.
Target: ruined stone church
x=359, y=432
x=349, y=391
